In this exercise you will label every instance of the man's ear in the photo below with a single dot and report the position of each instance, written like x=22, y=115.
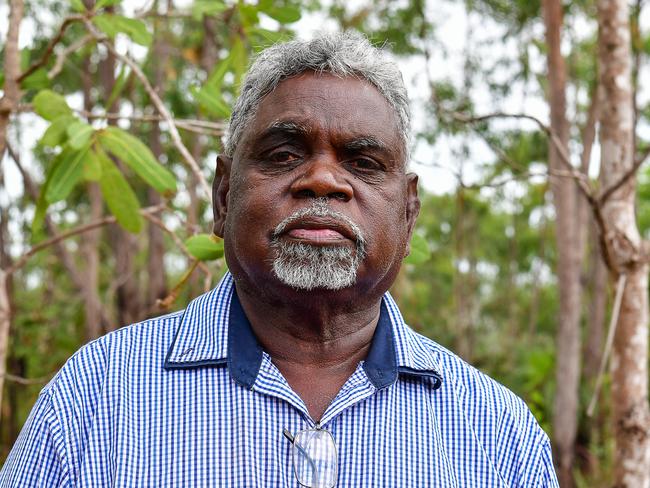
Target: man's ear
x=412, y=207
x=220, y=188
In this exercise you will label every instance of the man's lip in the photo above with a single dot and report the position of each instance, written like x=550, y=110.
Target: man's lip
x=318, y=229
x=315, y=234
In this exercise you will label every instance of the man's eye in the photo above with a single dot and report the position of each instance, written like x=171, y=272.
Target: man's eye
x=283, y=157
x=365, y=164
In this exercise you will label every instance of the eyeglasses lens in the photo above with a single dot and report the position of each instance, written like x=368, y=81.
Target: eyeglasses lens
x=314, y=459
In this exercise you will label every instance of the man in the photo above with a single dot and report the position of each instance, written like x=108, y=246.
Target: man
x=297, y=370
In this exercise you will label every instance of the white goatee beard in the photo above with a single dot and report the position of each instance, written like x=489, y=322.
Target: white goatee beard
x=306, y=267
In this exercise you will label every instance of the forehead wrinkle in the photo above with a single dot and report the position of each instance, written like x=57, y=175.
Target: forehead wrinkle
x=353, y=140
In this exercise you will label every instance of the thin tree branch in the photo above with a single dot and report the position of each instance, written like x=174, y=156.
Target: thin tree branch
x=27, y=381
x=179, y=242
x=176, y=14
x=194, y=125
x=217, y=126
x=63, y=55
x=22, y=260
x=171, y=297
x=496, y=184
x=50, y=47
x=158, y=103
x=581, y=180
x=620, y=288
x=608, y=192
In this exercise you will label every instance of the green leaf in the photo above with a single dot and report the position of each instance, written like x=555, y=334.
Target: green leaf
x=77, y=5
x=239, y=59
x=42, y=203
x=106, y=3
x=205, y=247
x=284, y=15
x=420, y=252
x=118, y=86
x=118, y=194
x=133, y=152
x=135, y=29
x=218, y=73
x=38, y=80
x=265, y=37
x=79, y=133
x=50, y=105
x=207, y=7
x=210, y=100
x=56, y=133
x=92, y=168
x=248, y=14
x=67, y=173
x=105, y=24
x=111, y=24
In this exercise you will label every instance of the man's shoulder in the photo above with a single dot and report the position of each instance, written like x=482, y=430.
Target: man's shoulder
x=142, y=344
x=473, y=388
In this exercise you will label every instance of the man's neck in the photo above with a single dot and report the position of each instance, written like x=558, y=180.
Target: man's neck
x=314, y=344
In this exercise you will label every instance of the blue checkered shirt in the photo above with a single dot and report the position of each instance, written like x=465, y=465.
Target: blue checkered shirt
x=190, y=399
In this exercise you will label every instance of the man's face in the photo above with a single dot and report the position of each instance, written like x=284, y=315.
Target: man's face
x=316, y=195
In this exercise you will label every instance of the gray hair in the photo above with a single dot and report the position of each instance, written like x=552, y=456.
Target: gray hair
x=341, y=54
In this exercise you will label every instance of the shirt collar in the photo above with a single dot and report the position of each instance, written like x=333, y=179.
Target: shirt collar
x=214, y=331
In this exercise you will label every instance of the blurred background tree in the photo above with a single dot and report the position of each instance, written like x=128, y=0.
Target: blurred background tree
x=112, y=116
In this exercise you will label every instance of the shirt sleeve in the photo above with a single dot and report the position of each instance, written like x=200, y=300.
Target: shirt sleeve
x=546, y=477
x=37, y=458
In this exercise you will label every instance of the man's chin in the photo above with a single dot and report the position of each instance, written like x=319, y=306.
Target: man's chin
x=302, y=280
x=308, y=268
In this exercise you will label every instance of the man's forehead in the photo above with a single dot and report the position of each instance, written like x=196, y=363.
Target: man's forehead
x=301, y=126
x=304, y=102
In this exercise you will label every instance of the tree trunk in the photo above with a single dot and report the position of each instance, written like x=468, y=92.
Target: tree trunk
x=568, y=236
x=461, y=295
x=536, y=286
x=8, y=408
x=94, y=325
x=90, y=296
x=626, y=250
x=7, y=105
x=123, y=243
x=595, y=330
x=157, y=282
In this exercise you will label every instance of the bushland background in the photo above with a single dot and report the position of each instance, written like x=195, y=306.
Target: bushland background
x=530, y=135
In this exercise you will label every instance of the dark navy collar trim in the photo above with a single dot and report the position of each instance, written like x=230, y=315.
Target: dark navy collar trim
x=204, y=363
x=244, y=350
x=419, y=373
x=245, y=354
x=381, y=363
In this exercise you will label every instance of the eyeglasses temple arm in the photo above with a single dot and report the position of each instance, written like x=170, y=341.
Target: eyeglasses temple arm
x=312, y=465
x=288, y=435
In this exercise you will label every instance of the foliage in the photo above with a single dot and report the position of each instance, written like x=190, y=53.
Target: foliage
x=481, y=274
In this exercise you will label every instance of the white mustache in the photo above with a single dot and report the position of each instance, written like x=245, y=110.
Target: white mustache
x=320, y=208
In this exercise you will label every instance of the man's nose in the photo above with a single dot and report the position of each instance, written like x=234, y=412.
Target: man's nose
x=322, y=177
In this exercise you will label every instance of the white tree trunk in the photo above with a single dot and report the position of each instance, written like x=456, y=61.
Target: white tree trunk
x=7, y=105
x=625, y=248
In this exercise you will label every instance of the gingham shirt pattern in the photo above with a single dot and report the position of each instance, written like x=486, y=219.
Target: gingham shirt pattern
x=191, y=400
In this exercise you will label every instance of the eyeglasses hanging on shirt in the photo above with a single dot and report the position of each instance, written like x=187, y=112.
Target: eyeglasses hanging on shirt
x=315, y=461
